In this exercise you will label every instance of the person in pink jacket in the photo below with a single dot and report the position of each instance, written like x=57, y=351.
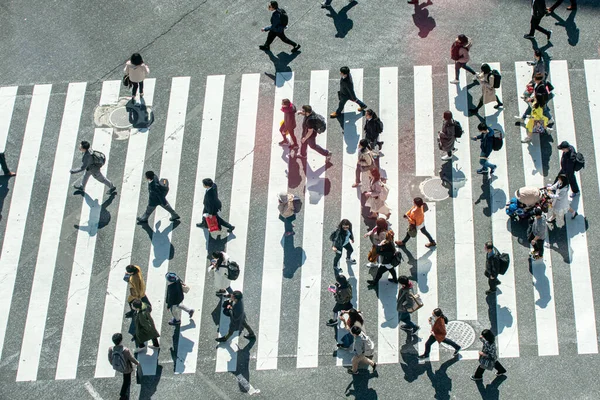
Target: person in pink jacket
x=463, y=44
x=137, y=72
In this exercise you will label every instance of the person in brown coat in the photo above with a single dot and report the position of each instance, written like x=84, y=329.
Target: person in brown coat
x=122, y=360
x=438, y=323
x=136, y=286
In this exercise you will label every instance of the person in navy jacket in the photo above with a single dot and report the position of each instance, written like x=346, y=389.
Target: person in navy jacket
x=486, y=135
x=277, y=28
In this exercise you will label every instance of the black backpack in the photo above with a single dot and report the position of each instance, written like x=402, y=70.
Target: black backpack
x=283, y=17
x=579, y=162
x=98, y=158
x=503, y=263
x=163, y=184
x=233, y=270
x=497, y=78
x=455, y=51
x=497, y=140
x=319, y=123
x=458, y=130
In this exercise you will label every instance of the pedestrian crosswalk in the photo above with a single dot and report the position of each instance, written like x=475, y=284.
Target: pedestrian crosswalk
x=286, y=305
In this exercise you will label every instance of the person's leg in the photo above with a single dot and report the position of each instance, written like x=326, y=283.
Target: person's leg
x=393, y=275
x=86, y=177
x=547, y=113
x=293, y=137
x=498, y=100
x=141, y=88
x=357, y=174
x=427, y=234
x=349, y=251
x=527, y=111
x=126, y=385
x=176, y=312
x=499, y=368
x=380, y=271
x=540, y=29
x=224, y=223
x=558, y=3
x=303, y=148
x=451, y=343
x=97, y=174
x=533, y=24
x=428, y=343
x=479, y=105
x=341, y=104
x=493, y=284
x=355, y=362
x=270, y=37
x=471, y=70
x=287, y=222
x=5, y=168
x=457, y=67
x=149, y=210
x=155, y=342
x=539, y=245
x=312, y=142
x=405, y=317
x=479, y=372
x=285, y=39
x=134, y=88
x=336, y=258
x=248, y=328
x=361, y=104
x=169, y=209
x=406, y=239
x=573, y=183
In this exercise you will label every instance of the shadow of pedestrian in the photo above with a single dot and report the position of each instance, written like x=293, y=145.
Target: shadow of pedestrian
x=163, y=248
x=541, y=283
x=103, y=218
x=293, y=257
x=410, y=357
x=342, y=23
x=546, y=152
x=281, y=62
x=570, y=27
x=243, y=364
x=351, y=137
x=422, y=20
x=182, y=346
x=490, y=391
x=440, y=381
x=485, y=195
x=317, y=186
x=557, y=241
x=149, y=384
x=361, y=390
x=3, y=191
x=295, y=165
x=139, y=115
x=490, y=299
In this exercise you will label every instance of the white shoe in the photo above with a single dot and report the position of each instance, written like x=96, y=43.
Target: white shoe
x=455, y=81
x=519, y=118
x=446, y=157
x=139, y=349
x=549, y=129
x=153, y=347
x=526, y=140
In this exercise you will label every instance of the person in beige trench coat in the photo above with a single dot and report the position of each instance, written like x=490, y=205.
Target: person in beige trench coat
x=486, y=80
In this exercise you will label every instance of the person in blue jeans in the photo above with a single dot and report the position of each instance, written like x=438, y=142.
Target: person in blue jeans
x=487, y=140
x=404, y=304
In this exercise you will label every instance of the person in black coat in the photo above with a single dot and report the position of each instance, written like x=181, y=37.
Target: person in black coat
x=567, y=166
x=156, y=197
x=386, y=251
x=373, y=128
x=538, y=11
x=486, y=135
x=491, y=267
x=347, y=93
x=342, y=238
x=238, y=317
x=277, y=29
x=212, y=205
x=175, y=297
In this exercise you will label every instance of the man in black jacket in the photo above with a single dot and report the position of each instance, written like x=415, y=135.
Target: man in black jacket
x=238, y=318
x=538, y=11
x=212, y=205
x=175, y=297
x=157, y=196
x=567, y=165
x=346, y=93
x=491, y=267
x=277, y=28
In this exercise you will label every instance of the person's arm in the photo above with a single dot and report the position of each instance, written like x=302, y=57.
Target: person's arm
x=130, y=357
x=85, y=163
x=110, y=351
x=309, y=133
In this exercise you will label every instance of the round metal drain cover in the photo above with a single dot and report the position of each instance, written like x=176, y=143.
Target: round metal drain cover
x=433, y=189
x=119, y=118
x=461, y=333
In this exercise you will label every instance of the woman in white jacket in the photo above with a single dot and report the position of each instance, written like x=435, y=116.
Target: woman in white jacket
x=137, y=72
x=560, y=199
x=218, y=267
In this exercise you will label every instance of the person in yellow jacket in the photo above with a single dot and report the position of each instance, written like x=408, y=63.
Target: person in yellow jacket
x=416, y=220
x=135, y=285
x=538, y=122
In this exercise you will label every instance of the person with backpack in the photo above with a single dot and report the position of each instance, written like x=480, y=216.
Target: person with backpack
x=237, y=315
x=488, y=356
x=312, y=125
x=438, y=322
x=377, y=195
x=373, y=128
x=492, y=267
x=136, y=70
x=386, y=251
x=486, y=135
x=363, y=349
x=569, y=164
x=416, y=221
x=279, y=22
x=346, y=93
x=538, y=11
x=157, y=196
x=365, y=164
x=91, y=162
x=122, y=361
x=212, y=205
x=459, y=52
x=136, y=285
x=288, y=124
x=288, y=206
x=559, y=193
x=175, y=296
x=342, y=238
x=406, y=304
x=489, y=80
x=144, y=326
x=451, y=130
x=536, y=233
x=219, y=267
x=342, y=293
x=540, y=95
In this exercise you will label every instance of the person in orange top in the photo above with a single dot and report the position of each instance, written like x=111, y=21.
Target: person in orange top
x=416, y=220
x=438, y=323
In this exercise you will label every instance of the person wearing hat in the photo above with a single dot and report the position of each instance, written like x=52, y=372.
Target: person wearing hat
x=537, y=233
x=288, y=206
x=567, y=166
x=237, y=317
x=175, y=298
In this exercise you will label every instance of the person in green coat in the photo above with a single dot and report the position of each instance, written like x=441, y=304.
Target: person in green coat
x=144, y=326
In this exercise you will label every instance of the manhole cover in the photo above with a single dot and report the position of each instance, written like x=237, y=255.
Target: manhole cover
x=461, y=333
x=127, y=116
x=119, y=118
x=433, y=189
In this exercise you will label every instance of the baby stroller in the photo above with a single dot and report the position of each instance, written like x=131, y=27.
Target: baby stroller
x=520, y=207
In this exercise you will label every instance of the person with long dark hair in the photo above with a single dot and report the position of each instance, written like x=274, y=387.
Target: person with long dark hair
x=373, y=128
x=364, y=165
x=438, y=323
x=386, y=251
x=376, y=235
x=488, y=356
x=559, y=192
x=137, y=71
x=342, y=238
x=343, y=296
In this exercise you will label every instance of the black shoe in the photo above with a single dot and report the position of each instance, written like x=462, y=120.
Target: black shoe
x=231, y=229
x=528, y=36
x=250, y=337
x=296, y=48
x=142, y=221
x=79, y=188
x=175, y=218
x=422, y=356
x=112, y=190
x=497, y=106
x=201, y=225
x=221, y=339
x=549, y=35
x=456, y=351
x=263, y=47
x=371, y=282
x=332, y=322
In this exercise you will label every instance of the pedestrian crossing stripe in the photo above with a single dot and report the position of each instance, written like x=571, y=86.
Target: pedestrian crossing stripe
x=310, y=315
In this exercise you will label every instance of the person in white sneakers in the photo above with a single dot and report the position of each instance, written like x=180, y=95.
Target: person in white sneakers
x=175, y=298
x=364, y=350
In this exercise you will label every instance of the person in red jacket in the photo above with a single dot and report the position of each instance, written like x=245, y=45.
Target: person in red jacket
x=438, y=323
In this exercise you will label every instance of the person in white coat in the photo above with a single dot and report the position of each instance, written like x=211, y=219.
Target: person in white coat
x=559, y=192
x=219, y=269
x=137, y=71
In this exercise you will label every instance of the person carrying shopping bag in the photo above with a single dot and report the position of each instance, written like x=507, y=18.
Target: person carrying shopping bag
x=438, y=322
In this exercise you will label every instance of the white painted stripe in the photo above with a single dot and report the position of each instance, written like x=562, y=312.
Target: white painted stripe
x=272, y=275
x=240, y=203
x=427, y=283
x=21, y=198
x=387, y=335
x=592, y=79
x=506, y=297
x=110, y=93
x=543, y=281
x=583, y=297
x=8, y=95
x=129, y=195
x=351, y=205
x=464, y=240
x=37, y=312
x=158, y=263
x=307, y=354
x=425, y=137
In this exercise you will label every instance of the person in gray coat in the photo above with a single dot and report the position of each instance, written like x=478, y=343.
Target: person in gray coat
x=119, y=350
x=363, y=349
x=91, y=165
x=446, y=137
x=238, y=317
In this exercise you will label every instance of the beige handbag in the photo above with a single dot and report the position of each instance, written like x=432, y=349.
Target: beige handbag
x=185, y=287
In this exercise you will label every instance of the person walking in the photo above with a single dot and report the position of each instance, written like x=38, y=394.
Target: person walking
x=137, y=71
x=488, y=356
x=373, y=128
x=364, y=165
x=237, y=317
x=539, y=65
x=144, y=326
x=377, y=195
x=288, y=206
x=350, y=318
x=486, y=135
x=343, y=295
x=540, y=96
x=136, y=286
x=212, y=205
x=342, y=238
x=122, y=361
x=416, y=221
x=488, y=91
x=405, y=304
x=537, y=233
x=567, y=166
x=363, y=349
x=175, y=298
x=218, y=266
x=447, y=136
x=288, y=124
x=460, y=54
x=491, y=267
x=559, y=193
x=538, y=11
x=438, y=322
x=157, y=196
x=572, y=7
x=279, y=22
x=377, y=234
x=91, y=162
x=386, y=251
x=4, y=165
x=346, y=93
x=309, y=133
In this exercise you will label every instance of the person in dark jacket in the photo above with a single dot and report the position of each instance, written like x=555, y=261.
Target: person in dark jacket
x=386, y=251
x=212, y=205
x=567, y=166
x=91, y=169
x=491, y=267
x=276, y=29
x=488, y=356
x=540, y=96
x=572, y=7
x=144, y=326
x=342, y=296
x=373, y=128
x=347, y=93
x=538, y=11
x=405, y=304
x=309, y=134
x=175, y=297
x=342, y=238
x=486, y=135
x=289, y=124
x=538, y=64
x=237, y=320
x=156, y=197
